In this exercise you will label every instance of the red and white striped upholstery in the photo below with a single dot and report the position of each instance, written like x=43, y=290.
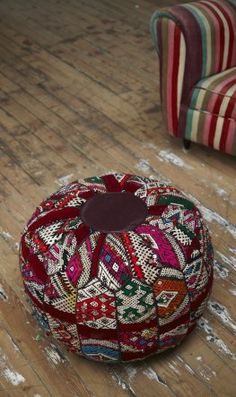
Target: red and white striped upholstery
x=196, y=43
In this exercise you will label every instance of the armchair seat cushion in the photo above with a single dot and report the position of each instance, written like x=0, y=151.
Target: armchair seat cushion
x=211, y=112
x=216, y=94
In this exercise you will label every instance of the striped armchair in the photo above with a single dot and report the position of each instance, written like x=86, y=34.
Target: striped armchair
x=196, y=44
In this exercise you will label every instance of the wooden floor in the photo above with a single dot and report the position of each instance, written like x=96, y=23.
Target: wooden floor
x=79, y=97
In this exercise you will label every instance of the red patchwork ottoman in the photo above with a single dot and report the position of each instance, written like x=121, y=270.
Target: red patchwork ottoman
x=117, y=267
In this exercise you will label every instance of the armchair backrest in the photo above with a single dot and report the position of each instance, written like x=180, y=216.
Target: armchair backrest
x=193, y=40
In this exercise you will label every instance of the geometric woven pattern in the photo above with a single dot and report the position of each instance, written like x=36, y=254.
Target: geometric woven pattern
x=118, y=295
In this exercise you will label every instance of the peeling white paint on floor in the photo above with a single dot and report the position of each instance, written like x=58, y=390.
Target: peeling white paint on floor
x=220, y=271
x=161, y=179
x=13, y=377
x=5, y=235
x=131, y=371
x=38, y=173
x=189, y=369
x=233, y=291
x=204, y=369
x=143, y=165
x=208, y=214
x=119, y=381
x=106, y=171
x=206, y=372
x=15, y=347
x=150, y=145
x=212, y=337
x=3, y=358
x=3, y=294
x=212, y=216
x=64, y=180
x=222, y=313
x=168, y=156
x=152, y=375
x=219, y=191
x=172, y=366
x=53, y=356
x=231, y=260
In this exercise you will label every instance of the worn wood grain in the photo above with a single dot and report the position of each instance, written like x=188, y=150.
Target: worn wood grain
x=79, y=96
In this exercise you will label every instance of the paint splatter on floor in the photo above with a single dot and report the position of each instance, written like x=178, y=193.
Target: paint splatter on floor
x=233, y=291
x=206, y=372
x=13, y=377
x=212, y=337
x=220, y=271
x=17, y=246
x=152, y=375
x=173, y=367
x=189, y=369
x=166, y=155
x=131, y=371
x=212, y=216
x=222, y=313
x=231, y=260
x=64, y=180
x=5, y=235
x=219, y=191
x=15, y=347
x=53, y=355
x=119, y=381
x=150, y=145
x=143, y=165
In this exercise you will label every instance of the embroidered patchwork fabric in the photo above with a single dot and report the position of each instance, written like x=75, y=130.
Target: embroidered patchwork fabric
x=118, y=295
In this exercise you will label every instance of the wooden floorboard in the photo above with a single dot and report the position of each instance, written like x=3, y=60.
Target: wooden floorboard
x=79, y=96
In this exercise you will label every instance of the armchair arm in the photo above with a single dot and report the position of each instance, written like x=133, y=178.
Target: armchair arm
x=171, y=48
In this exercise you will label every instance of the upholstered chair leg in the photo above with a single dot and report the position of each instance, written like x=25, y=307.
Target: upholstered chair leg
x=186, y=143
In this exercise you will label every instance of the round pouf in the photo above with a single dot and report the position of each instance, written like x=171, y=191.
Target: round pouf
x=117, y=267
